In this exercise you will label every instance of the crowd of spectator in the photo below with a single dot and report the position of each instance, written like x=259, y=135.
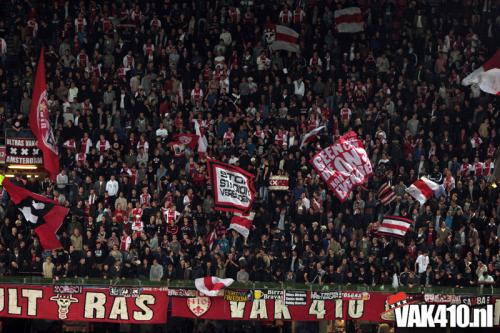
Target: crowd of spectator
x=125, y=76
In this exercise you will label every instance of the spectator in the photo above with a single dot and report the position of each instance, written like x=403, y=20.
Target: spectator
x=156, y=272
x=116, y=100
x=48, y=268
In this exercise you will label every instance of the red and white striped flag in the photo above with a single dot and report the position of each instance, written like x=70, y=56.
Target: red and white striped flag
x=310, y=136
x=280, y=37
x=212, y=237
x=487, y=77
x=349, y=20
x=394, y=226
x=423, y=189
x=242, y=223
x=211, y=285
x=386, y=194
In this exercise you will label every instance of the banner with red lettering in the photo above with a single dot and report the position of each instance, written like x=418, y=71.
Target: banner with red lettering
x=343, y=165
x=75, y=303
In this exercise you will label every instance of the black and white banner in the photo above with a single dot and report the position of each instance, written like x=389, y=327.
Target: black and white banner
x=233, y=187
x=22, y=151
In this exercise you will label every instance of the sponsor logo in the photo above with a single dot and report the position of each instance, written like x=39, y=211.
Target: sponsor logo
x=268, y=294
x=124, y=292
x=67, y=289
x=182, y=292
x=238, y=296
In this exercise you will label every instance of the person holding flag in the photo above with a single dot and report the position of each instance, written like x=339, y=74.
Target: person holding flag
x=40, y=123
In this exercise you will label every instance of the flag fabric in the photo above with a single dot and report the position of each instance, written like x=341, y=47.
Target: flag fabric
x=279, y=183
x=486, y=76
x=423, y=189
x=394, y=226
x=43, y=214
x=343, y=165
x=233, y=187
x=212, y=237
x=40, y=124
x=188, y=140
x=280, y=37
x=211, y=285
x=349, y=20
x=242, y=223
x=386, y=194
x=178, y=148
x=310, y=136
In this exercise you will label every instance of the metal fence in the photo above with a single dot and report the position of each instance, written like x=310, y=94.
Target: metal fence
x=184, y=284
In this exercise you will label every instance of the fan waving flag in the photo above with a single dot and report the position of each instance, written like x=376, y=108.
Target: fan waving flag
x=423, y=189
x=189, y=140
x=394, y=226
x=211, y=285
x=310, y=136
x=487, y=76
x=349, y=20
x=280, y=37
x=386, y=194
x=242, y=223
x=40, y=123
x=233, y=187
x=43, y=214
x=343, y=165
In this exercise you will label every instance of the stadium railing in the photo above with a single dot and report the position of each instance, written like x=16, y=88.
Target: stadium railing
x=184, y=284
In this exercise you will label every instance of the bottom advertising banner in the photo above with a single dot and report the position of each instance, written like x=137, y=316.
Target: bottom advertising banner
x=75, y=303
x=288, y=305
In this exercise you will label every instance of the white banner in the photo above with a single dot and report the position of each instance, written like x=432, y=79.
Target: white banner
x=233, y=187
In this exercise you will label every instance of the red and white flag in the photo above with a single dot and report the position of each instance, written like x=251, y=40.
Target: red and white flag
x=212, y=237
x=178, y=148
x=423, y=189
x=40, y=123
x=349, y=20
x=394, y=226
x=211, y=285
x=233, y=187
x=280, y=37
x=386, y=194
x=242, y=223
x=188, y=140
x=310, y=136
x=487, y=76
x=343, y=165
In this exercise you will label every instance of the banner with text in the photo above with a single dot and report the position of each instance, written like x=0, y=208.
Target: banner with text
x=22, y=151
x=233, y=187
x=75, y=303
x=343, y=165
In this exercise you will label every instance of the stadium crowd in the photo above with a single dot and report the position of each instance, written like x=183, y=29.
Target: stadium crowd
x=125, y=76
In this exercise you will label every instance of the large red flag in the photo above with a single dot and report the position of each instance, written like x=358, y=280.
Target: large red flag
x=40, y=123
x=44, y=215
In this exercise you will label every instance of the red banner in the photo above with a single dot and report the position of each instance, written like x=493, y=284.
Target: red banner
x=343, y=165
x=75, y=303
x=273, y=305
